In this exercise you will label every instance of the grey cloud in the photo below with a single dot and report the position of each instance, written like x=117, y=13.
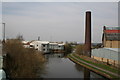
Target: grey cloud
x=62, y=21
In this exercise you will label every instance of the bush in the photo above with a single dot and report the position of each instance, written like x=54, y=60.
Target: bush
x=79, y=49
x=21, y=62
x=68, y=48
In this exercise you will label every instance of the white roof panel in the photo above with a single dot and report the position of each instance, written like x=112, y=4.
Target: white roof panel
x=114, y=49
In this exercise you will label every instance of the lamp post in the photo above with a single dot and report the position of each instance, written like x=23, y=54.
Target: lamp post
x=3, y=33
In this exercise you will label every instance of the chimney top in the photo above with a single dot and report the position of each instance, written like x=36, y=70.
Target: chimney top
x=88, y=11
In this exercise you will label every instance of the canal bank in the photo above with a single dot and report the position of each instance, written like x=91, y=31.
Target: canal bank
x=99, y=68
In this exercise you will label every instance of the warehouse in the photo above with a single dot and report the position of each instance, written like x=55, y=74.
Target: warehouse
x=110, y=52
x=111, y=37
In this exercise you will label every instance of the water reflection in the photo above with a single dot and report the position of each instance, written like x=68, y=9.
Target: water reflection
x=92, y=74
x=86, y=74
x=57, y=66
x=79, y=67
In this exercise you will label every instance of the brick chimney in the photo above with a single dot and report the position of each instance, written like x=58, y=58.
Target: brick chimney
x=88, y=34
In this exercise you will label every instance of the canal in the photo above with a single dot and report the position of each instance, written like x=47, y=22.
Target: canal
x=58, y=66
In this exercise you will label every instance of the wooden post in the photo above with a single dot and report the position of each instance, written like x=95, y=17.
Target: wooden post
x=107, y=61
x=102, y=59
x=114, y=62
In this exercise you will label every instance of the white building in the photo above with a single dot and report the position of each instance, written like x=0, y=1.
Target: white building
x=26, y=44
x=56, y=47
x=53, y=45
x=61, y=46
x=44, y=46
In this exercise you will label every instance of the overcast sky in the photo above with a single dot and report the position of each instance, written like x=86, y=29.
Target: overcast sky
x=57, y=21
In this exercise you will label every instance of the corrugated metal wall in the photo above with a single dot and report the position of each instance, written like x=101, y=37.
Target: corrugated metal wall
x=106, y=53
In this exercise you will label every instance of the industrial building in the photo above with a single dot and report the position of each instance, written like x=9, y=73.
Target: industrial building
x=56, y=47
x=110, y=52
x=111, y=37
x=44, y=46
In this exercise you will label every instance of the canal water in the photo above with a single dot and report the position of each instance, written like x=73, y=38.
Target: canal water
x=58, y=66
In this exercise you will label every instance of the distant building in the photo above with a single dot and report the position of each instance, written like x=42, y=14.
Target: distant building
x=26, y=44
x=111, y=37
x=56, y=47
x=44, y=46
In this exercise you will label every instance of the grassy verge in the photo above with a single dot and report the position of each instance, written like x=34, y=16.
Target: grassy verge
x=93, y=68
x=106, y=67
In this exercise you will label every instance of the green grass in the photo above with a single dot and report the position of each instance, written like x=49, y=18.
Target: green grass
x=112, y=76
x=106, y=67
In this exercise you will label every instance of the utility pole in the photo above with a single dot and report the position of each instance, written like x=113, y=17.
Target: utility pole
x=3, y=33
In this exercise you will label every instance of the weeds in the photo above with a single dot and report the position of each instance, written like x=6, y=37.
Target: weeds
x=22, y=62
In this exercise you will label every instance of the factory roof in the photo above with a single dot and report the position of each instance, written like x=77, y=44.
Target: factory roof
x=112, y=28
x=112, y=33
x=109, y=53
x=42, y=42
x=113, y=49
x=112, y=36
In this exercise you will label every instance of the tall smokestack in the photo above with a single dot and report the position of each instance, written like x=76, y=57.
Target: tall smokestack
x=88, y=34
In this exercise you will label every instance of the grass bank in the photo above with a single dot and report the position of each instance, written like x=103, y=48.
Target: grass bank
x=75, y=58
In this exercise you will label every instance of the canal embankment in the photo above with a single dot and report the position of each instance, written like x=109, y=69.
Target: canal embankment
x=95, y=66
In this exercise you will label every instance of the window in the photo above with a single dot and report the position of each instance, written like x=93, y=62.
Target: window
x=43, y=45
x=43, y=49
x=36, y=48
x=31, y=45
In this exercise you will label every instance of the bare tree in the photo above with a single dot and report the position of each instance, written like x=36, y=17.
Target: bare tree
x=20, y=37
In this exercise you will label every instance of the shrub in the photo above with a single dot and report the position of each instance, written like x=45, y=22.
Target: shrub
x=79, y=49
x=21, y=62
x=68, y=48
